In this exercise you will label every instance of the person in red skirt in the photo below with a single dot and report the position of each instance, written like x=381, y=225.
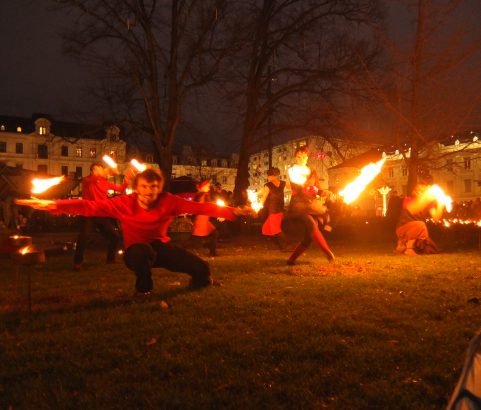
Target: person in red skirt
x=273, y=201
x=203, y=228
x=306, y=206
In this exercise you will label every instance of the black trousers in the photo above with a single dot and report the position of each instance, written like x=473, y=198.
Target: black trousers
x=141, y=258
x=106, y=226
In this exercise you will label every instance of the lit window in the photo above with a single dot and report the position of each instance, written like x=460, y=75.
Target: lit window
x=19, y=129
x=78, y=152
x=2, y=127
x=467, y=163
x=113, y=155
x=93, y=152
x=391, y=172
x=42, y=130
x=204, y=163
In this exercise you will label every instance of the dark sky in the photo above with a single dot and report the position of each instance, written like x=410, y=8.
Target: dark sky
x=37, y=77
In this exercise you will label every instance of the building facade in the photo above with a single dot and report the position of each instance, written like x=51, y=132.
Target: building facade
x=198, y=164
x=57, y=148
x=324, y=154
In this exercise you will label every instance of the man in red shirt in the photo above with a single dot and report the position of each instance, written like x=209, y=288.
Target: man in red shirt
x=145, y=216
x=95, y=187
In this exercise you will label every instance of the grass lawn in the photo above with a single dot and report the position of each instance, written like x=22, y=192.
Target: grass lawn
x=373, y=330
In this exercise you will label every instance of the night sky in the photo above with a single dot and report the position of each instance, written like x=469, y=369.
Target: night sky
x=37, y=77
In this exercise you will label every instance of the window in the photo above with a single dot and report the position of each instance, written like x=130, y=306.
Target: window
x=3, y=146
x=174, y=160
x=78, y=152
x=19, y=129
x=203, y=163
x=213, y=162
x=467, y=164
x=42, y=151
x=113, y=155
x=224, y=180
x=149, y=158
x=391, y=172
x=42, y=168
x=467, y=185
x=19, y=148
x=404, y=171
x=214, y=178
x=42, y=130
x=224, y=163
x=449, y=164
x=78, y=172
x=93, y=152
x=64, y=170
x=2, y=127
x=64, y=151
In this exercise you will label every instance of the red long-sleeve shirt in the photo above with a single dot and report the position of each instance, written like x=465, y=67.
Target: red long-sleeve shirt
x=95, y=188
x=139, y=225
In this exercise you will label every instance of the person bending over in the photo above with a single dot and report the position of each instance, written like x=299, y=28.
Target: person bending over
x=411, y=230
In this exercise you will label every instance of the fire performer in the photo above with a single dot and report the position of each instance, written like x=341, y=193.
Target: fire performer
x=203, y=228
x=411, y=229
x=145, y=216
x=304, y=205
x=273, y=203
x=95, y=187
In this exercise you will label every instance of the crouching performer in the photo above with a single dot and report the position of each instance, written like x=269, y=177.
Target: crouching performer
x=144, y=217
x=411, y=230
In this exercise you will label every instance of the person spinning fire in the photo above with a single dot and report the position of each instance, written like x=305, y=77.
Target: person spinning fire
x=305, y=205
x=203, y=228
x=95, y=187
x=273, y=204
x=411, y=229
x=145, y=216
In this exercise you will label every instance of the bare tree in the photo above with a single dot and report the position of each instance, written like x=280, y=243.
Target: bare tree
x=152, y=56
x=433, y=83
x=291, y=55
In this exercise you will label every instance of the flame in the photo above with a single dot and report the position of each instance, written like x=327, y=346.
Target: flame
x=138, y=166
x=298, y=174
x=41, y=185
x=109, y=161
x=354, y=188
x=443, y=199
x=256, y=205
x=220, y=202
x=24, y=250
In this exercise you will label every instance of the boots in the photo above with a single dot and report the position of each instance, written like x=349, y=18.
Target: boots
x=297, y=252
x=317, y=236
